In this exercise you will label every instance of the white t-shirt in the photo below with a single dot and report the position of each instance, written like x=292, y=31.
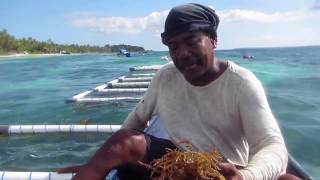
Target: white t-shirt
x=230, y=114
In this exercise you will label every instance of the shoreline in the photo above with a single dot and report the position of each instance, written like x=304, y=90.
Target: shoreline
x=17, y=55
x=21, y=55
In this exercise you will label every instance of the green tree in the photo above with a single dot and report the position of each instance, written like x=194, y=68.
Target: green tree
x=8, y=44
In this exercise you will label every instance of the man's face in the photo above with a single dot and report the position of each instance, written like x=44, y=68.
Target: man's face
x=192, y=54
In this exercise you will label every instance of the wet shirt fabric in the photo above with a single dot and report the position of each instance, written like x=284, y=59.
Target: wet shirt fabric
x=230, y=114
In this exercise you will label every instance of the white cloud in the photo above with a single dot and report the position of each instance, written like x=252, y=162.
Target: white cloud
x=260, y=28
x=238, y=15
x=153, y=21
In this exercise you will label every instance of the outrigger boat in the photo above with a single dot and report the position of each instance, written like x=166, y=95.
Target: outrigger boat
x=136, y=85
x=124, y=52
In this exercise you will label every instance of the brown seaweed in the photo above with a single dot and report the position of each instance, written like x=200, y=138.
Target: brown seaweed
x=178, y=165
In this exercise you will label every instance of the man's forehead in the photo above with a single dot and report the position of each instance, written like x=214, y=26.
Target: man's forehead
x=185, y=36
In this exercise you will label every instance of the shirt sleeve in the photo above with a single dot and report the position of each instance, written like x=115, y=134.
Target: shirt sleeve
x=267, y=152
x=146, y=108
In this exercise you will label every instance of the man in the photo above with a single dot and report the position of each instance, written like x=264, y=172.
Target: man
x=209, y=103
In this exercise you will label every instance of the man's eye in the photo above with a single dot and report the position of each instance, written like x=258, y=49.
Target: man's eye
x=193, y=41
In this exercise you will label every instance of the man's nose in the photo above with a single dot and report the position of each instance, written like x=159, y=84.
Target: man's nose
x=183, y=53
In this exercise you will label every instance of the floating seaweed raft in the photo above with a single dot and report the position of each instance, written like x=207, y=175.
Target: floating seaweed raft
x=129, y=88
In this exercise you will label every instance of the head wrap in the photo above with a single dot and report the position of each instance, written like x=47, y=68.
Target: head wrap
x=189, y=18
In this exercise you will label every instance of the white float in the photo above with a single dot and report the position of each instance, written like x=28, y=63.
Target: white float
x=128, y=85
x=146, y=68
x=111, y=100
x=35, y=129
x=142, y=75
x=122, y=90
x=137, y=79
x=13, y=175
x=133, y=83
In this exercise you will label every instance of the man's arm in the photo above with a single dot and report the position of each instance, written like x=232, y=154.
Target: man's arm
x=145, y=109
x=267, y=152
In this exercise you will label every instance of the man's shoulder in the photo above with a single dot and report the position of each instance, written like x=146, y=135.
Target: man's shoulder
x=168, y=74
x=239, y=72
x=168, y=70
x=168, y=67
x=243, y=77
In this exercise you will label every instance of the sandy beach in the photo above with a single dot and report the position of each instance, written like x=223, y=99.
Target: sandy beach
x=27, y=55
x=22, y=55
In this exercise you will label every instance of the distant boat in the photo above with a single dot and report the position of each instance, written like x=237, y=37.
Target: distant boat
x=124, y=52
x=64, y=52
x=164, y=58
x=246, y=56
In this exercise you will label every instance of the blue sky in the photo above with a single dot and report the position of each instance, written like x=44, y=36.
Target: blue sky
x=244, y=23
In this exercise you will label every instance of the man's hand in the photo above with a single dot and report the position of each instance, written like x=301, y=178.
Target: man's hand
x=229, y=171
x=82, y=173
x=71, y=169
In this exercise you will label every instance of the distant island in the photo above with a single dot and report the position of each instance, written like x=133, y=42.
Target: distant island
x=11, y=45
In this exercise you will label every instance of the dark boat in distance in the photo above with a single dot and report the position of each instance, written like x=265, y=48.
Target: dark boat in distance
x=247, y=56
x=124, y=52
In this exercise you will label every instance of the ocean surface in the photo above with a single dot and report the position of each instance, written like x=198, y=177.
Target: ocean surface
x=33, y=90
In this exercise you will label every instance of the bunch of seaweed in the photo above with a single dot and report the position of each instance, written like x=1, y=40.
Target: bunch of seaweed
x=175, y=165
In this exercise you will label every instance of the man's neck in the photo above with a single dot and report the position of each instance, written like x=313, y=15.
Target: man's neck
x=218, y=68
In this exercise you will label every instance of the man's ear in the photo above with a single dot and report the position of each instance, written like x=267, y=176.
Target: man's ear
x=213, y=41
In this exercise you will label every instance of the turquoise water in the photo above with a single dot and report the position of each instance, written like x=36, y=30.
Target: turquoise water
x=34, y=90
